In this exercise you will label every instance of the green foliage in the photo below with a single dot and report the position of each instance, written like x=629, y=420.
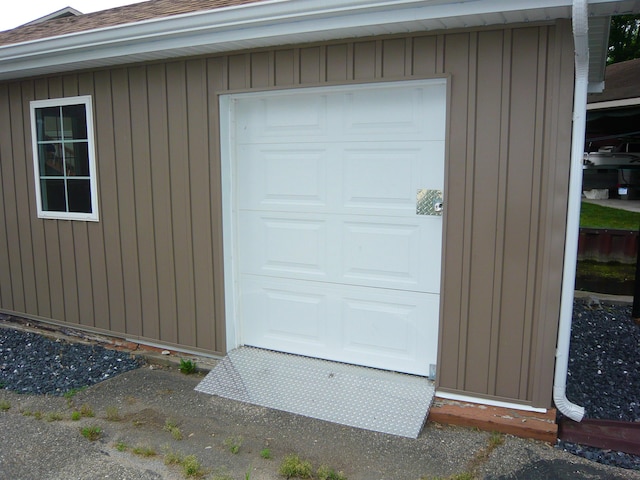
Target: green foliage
x=91, y=433
x=326, y=473
x=54, y=417
x=187, y=366
x=233, y=444
x=122, y=447
x=597, y=216
x=191, y=466
x=112, y=414
x=172, y=427
x=265, y=453
x=143, y=451
x=75, y=415
x=624, y=38
x=293, y=467
x=86, y=411
x=4, y=405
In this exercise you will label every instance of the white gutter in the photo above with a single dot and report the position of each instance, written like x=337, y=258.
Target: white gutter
x=581, y=44
x=262, y=24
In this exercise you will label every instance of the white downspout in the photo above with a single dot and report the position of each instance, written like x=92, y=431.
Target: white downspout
x=581, y=44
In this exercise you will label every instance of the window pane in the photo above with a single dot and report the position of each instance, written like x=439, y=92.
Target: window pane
x=50, y=157
x=52, y=192
x=74, y=122
x=48, y=123
x=79, y=195
x=76, y=156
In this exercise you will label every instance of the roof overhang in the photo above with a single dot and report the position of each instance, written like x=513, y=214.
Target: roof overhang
x=276, y=22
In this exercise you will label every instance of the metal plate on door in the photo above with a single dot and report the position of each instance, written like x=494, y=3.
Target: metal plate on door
x=429, y=202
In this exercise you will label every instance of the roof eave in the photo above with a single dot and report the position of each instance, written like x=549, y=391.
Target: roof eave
x=263, y=24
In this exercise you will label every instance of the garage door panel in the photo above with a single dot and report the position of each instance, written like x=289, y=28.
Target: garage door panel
x=281, y=118
x=283, y=176
x=280, y=313
x=382, y=254
x=388, y=331
x=284, y=245
x=302, y=318
x=380, y=179
x=395, y=114
x=373, y=251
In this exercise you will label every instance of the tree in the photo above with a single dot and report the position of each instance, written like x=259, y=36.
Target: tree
x=624, y=38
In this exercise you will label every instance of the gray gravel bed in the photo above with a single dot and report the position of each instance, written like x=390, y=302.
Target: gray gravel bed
x=32, y=363
x=604, y=372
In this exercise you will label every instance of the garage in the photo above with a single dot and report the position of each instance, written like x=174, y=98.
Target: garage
x=335, y=197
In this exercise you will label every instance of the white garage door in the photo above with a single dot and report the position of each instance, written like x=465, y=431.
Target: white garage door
x=330, y=257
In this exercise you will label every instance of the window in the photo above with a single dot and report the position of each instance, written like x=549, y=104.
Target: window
x=64, y=159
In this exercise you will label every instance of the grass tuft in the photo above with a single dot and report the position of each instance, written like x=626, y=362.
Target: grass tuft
x=143, y=451
x=112, y=414
x=293, y=466
x=91, y=433
x=326, y=473
x=265, y=453
x=172, y=427
x=187, y=366
x=191, y=467
x=4, y=405
x=233, y=443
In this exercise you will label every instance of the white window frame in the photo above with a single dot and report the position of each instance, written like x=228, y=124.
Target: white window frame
x=93, y=184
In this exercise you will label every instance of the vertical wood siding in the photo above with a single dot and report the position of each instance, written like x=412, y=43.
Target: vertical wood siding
x=153, y=267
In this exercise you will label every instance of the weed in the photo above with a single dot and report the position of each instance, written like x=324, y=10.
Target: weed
x=91, y=433
x=172, y=458
x=172, y=427
x=326, y=473
x=72, y=393
x=187, y=366
x=4, y=405
x=191, y=466
x=233, y=444
x=86, y=411
x=496, y=440
x=27, y=413
x=69, y=394
x=76, y=415
x=54, y=416
x=112, y=414
x=37, y=415
x=292, y=466
x=143, y=451
x=265, y=453
x=122, y=447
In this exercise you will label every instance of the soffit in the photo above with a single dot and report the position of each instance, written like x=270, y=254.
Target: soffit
x=166, y=29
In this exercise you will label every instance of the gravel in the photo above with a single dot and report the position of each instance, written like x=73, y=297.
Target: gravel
x=32, y=363
x=604, y=372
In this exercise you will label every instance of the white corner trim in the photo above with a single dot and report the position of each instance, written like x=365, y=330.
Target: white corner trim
x=491, y=403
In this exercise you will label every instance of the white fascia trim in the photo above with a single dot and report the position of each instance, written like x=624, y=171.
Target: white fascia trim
x=275, y=19
x=491, y=403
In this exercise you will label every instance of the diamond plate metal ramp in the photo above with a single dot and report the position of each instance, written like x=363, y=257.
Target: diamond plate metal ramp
x=360, y=397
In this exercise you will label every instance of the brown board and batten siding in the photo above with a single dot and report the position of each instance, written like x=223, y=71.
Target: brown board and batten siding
x=152, y=267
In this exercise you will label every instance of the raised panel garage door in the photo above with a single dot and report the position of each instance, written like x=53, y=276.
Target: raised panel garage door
x=330, y=257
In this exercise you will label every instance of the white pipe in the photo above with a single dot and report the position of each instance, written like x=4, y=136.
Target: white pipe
x=581, y=44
